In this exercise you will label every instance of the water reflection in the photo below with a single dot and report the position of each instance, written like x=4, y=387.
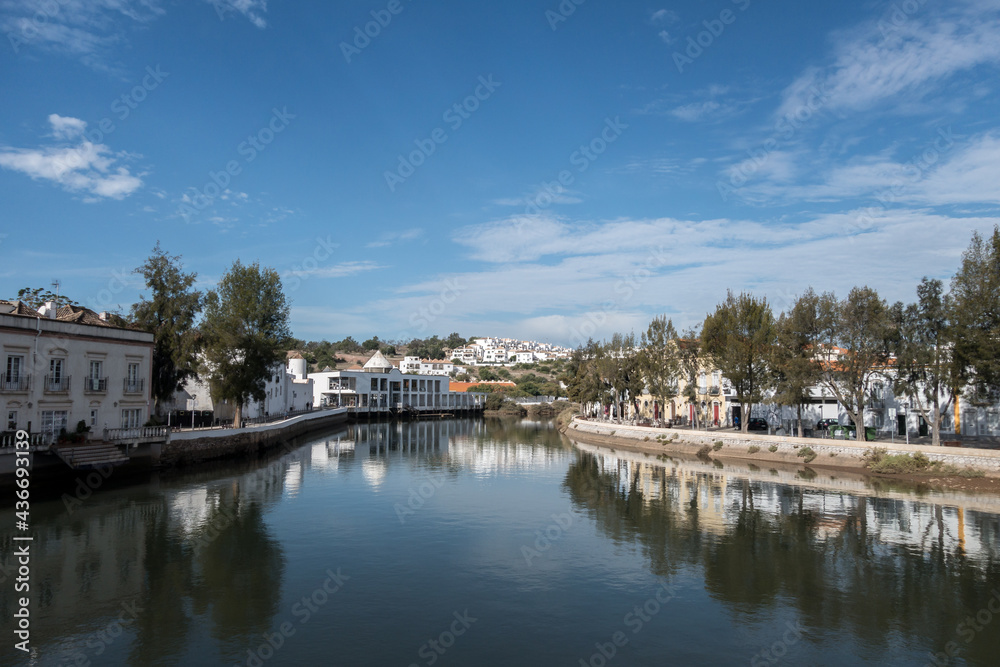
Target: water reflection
x=882, y=569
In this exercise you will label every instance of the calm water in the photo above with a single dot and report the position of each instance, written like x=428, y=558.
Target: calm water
x=464, y=543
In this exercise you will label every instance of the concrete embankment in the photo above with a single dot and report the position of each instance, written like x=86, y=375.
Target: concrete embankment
x=736, y=445
x=189, y=447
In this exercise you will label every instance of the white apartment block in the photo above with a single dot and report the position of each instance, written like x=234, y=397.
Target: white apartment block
x=67, y=365
x=415, y=365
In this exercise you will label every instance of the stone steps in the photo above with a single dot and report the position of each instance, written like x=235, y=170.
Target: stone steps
x=91, y=455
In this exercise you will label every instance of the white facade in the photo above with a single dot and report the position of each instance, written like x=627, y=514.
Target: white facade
x=59, y=371
x=415, y=365
x=380, y=386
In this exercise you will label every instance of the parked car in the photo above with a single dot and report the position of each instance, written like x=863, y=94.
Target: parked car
x=756, y=424
x=824, y=424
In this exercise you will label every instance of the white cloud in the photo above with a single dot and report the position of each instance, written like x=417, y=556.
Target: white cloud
x=85, y=167
x=341, y=270
x=665, y=16
x=387, y=239
x=884, y=61
x=253, y=10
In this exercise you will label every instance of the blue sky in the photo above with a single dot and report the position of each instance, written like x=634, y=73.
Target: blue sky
x=529, y=169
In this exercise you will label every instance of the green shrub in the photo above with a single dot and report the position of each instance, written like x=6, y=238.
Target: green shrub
x=753, y=449
x=772, y=448
x=646, y=439
x=807, y=454
x=717, y=446
x=704, y=451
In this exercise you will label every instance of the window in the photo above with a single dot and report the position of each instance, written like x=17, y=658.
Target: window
x=53, y=422
x=13, y=374
x=133, y=374
x=131, y=417
x=56, y=370
x=12, y=420
x=95, y=370
x=374, y=384
x=93, y=418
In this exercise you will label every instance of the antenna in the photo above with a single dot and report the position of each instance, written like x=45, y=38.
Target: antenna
x=56, y=283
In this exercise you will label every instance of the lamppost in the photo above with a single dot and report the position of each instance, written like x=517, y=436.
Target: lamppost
x=194, y=405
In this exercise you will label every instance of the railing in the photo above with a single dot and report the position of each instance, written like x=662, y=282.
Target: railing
x=133, y=386
x=11, y=384
x=56, y=385
x=136, y=433
x=95, y=385
x=714, y=391
x=9, y=439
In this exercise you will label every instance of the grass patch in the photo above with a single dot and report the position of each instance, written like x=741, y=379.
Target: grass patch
x=753, y=449
x=772, y=449
x=717, y=446
x=807, y=454
x=646, y=439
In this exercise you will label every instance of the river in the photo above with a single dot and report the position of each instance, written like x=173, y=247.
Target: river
x=502, y=543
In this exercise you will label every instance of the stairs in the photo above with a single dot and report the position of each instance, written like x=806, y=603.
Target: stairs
x=92, y=455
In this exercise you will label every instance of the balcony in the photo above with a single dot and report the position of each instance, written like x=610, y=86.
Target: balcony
x=12, y=384
x=95, y=386
x=714, y=391
x=133, y=386
x=702, y=390
x=58, y=384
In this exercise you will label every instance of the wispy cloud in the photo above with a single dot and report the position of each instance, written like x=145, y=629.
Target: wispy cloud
x=387, y=239
x=253, y=10
x=341, y=270
x=905, y=59
x=84, y=167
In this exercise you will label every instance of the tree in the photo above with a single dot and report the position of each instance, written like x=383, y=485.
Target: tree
x=975, y=290
x=36, y=297
x=926, y=369
x=246, y=330
x=454, y=340
x=854, y=345
x=371, y=344
x=659, y=360
x=738, y=338
x=690, y=363
x=795, y=367
x=169, y=315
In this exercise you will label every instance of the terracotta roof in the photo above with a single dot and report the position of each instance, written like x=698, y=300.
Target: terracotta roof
x=465, y=386
x=17, y=308
x=294, y=354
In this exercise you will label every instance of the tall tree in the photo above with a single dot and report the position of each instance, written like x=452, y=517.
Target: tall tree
x=169, y=315
x=738, y=338
x=691, y=364
x=856, y=339
x=659, y=361
x=246, y=331
x=926, y=369
x=795, y=367
x=976, y=293
x=35, y=297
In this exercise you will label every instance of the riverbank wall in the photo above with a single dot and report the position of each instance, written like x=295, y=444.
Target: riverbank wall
x=185, y=448
x=736, y=445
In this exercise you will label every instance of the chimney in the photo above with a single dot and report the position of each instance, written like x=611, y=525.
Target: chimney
x=49, y=310
x=103, y=315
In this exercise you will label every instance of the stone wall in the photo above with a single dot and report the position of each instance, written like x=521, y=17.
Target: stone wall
x=843, y=453
x=190, y=447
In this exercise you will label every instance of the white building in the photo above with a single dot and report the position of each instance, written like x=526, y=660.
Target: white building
x=381, y=386
x=69, y=365
x=288, y=389
x=415, y=365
